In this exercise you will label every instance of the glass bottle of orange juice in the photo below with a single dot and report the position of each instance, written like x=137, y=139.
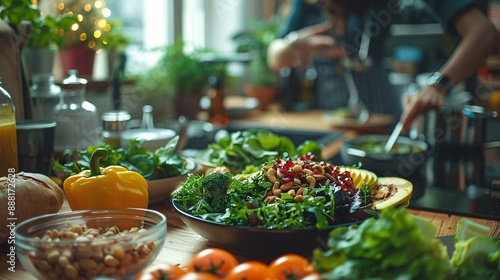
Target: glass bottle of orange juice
x=8, y=139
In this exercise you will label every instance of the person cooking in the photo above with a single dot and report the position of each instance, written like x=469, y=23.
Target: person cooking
x=323, y=32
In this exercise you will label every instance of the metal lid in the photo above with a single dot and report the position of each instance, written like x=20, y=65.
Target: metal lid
x=115, y=120
x=73, y=82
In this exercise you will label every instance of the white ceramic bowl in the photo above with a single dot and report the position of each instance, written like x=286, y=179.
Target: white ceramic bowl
x=160, y=190
x=151, y=139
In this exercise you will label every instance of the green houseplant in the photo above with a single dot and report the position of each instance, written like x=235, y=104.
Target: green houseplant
x=46, y=31
x=263, y=82
x=180, y=76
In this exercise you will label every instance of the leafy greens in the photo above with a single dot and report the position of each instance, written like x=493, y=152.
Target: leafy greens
x=253, y=147
x=395, y=245
x=398, y=245
x=164, y=162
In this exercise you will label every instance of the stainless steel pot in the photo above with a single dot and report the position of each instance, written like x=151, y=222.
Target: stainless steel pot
x=385, y=164
x=459, y=127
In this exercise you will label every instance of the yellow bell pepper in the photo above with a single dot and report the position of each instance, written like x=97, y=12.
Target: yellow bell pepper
x=110, y=187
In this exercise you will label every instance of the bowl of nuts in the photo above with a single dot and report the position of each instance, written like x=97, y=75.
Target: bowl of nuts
x=85, y=244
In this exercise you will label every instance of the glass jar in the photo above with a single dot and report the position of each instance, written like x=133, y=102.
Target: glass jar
x=45, y=96
x=113, y=123
x=77, y=119
x=8, y=138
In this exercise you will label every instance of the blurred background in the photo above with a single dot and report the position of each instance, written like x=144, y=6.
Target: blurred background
x=129, y=45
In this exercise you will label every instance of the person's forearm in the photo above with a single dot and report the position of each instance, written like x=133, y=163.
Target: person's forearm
x=479, y=39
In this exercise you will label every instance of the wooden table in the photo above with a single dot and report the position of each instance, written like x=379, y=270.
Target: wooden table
x=182, y=243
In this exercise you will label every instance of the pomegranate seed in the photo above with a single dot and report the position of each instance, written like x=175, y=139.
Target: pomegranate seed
x=285, y=179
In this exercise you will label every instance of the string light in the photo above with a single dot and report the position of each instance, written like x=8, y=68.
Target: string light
x=102, y=23
x=98, y=4
x=91, y=16
x=106, y=12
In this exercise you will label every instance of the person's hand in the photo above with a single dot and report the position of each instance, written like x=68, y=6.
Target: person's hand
x=298, y=47
x=317, y=40
x=428, y=98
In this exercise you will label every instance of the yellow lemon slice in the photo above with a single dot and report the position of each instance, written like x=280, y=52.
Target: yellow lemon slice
x=391, y=191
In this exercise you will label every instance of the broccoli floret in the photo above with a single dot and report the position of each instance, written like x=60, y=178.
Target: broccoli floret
x=216, y=184
x=219, y=203
x=215, y=188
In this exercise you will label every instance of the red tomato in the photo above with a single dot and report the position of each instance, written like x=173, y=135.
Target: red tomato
x=291, y=266
x=216, y=261
x=199, y=276
x=250, y=270
x=161, y=271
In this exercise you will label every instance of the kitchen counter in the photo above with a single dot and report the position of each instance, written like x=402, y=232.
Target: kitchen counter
x=182, y=243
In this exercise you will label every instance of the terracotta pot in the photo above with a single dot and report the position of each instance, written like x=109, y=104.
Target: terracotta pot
x=265, y=95
x=80, y=58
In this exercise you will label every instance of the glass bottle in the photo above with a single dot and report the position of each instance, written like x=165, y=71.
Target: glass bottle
x=45, y=96
x=8, y=138
x=77, y=119
x=217, y=113
x=308, y=87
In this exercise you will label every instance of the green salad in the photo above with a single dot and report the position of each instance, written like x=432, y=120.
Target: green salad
x=299, y=192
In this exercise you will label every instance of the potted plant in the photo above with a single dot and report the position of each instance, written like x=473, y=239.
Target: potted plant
x=180, y=76
x=85, y=37
x=44, y=36
x=263, y=82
